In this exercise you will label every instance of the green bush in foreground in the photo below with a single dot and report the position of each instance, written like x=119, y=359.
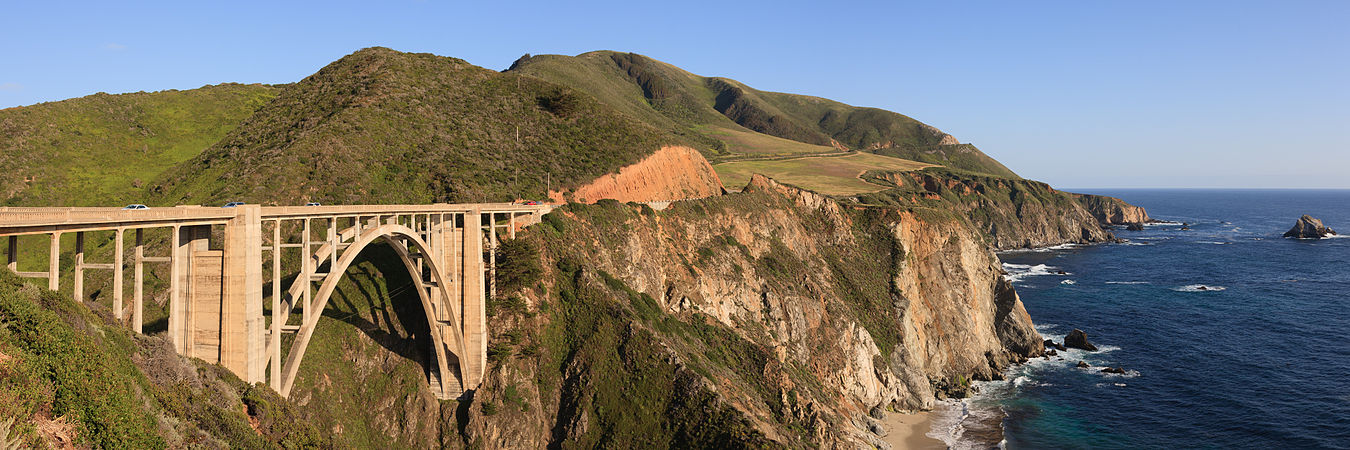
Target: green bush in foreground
x=54, y=366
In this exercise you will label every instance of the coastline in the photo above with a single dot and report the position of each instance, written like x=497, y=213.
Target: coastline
x=909, y=431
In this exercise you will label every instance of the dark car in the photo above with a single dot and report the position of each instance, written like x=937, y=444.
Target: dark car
x=233, y=204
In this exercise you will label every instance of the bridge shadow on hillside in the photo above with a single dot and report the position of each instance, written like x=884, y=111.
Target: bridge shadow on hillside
x=389, y=312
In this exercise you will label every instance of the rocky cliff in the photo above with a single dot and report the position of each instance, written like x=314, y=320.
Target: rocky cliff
x=1111, y=210
x=672, y=173
x=1012, y=213
x=782, y=315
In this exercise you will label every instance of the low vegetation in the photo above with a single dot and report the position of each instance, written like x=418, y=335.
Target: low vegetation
x=70, y=375
x=831, y=175
x=103, y=150
x=380, y=126
x=724, y=117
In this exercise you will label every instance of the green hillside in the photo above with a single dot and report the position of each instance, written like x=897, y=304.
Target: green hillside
x=727, y=117
x=102, y=149
x=69, y=373
x=380, y=126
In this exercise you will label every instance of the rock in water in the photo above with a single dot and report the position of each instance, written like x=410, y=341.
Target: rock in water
x=1135, y=226
x=1078, y=339
x=1114, y=370
x=1082, y=365
x=1309, y=228
x=1052, y=344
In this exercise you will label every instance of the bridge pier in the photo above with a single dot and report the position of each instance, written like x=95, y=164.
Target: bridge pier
x=218, y=317
x=473, y=298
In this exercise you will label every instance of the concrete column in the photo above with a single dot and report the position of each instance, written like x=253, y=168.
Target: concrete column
x=474, y=319
x=177, y=273
x=187, y=240
x=54, y=264
x=117, y=275
x=242, y=344
x=12, y=254
x=435, y=240
x=78, y=291
x=138, y=285
x=492, y=256
x=307, y=264
x=274, y=340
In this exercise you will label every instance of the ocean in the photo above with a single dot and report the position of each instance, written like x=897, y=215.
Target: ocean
x=1231, y=336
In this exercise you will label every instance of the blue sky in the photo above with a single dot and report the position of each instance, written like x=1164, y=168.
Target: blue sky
x=1077, y=94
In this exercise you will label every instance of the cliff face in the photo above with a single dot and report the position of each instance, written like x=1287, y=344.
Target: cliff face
x=1111, y=210
x=782, y=315
x=1011, y=213
x=672, y=173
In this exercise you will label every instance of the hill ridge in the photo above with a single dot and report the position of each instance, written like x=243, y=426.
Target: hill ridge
x=728, y=117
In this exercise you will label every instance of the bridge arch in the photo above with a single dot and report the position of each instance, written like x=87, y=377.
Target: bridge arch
x=445, y=335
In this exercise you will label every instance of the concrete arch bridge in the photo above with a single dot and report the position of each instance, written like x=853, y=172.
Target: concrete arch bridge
x=219, y=261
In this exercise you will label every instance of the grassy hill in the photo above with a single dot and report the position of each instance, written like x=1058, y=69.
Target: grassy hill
x=102, y=149
x=380, y=126
x=727, y=117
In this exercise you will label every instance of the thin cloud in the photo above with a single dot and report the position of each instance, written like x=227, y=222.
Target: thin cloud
x=11, y=87
x=114, y=46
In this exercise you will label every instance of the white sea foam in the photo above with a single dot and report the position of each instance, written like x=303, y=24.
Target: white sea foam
x=1198, y=288
x=1162, y=223
x=1127, y=282
x=947, y=418
x=1042, y=249
x=1336, y=236
x=1068, y=282
x=1213, y=242
x=1019, y=272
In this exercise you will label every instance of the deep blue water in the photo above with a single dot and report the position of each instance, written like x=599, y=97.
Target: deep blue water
x=1259, y=359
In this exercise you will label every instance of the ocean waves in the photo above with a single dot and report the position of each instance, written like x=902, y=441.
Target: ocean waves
x=1199, y=288
x=1019, y=272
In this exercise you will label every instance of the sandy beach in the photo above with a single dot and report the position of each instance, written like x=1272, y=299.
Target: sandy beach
x=909, y=431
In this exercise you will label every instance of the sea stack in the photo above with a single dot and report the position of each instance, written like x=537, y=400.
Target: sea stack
x=1309, y=228
x=1078, y=339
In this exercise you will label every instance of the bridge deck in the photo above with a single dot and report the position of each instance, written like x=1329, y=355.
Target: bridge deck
x=23, y=220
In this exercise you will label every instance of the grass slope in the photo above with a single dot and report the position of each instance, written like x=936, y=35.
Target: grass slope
x=721, y=113
x=101, y=149
x=831, y=175
x=380, y=126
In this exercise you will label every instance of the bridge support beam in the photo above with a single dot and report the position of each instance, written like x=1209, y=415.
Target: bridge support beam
x=242, y=335
x=474, y=297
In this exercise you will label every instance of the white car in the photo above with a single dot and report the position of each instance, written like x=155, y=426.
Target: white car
x=136, y=206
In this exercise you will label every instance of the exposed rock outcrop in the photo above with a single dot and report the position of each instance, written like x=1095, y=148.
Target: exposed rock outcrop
x=1113, y=211
x=1078, y=339
x=1308, y=227
x=672, y=173
x=1013, y=213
